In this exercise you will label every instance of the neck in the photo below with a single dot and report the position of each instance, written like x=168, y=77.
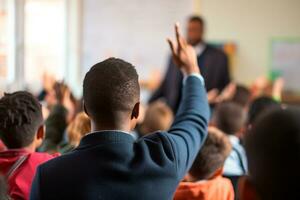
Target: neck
x=198, y=43
x=104, y=127
x=31, y=148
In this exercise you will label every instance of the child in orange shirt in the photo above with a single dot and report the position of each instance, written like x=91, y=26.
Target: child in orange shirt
x=204, y=180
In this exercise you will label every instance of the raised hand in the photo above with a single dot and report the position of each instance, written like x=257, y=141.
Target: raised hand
x=277, y=89
x=184, y=54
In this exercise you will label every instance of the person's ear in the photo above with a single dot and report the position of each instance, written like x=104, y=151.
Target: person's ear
x=241, y=132
x=40, y=133
x=136, y=111
x=246, y=189
x=218, y=172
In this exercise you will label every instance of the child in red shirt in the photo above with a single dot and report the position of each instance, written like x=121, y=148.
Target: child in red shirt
x=204, y=180
x=22, y=131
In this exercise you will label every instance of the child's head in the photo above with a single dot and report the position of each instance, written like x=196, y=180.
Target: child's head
x=210, y=159
x=241, y=96
x=229, y=117
x=21, y=124
x=158, y=116
x=259, y=106
x=111, y=95
x=78, y=128
x=273, y=151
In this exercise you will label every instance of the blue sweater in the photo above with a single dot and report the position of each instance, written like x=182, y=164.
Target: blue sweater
x=111, y=165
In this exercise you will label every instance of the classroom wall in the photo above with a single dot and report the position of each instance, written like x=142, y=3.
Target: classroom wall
x=135, y=31
x=251, y=25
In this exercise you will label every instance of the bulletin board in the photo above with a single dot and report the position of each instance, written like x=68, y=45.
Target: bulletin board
x=285, y=62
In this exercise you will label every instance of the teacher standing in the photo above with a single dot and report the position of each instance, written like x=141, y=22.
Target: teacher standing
x=212, y=62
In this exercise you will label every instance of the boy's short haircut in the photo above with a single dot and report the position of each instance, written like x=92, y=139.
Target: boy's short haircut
x=21, y=116
x=229, y=117
x=212, y=155
x=273, y=152
x=110, y=87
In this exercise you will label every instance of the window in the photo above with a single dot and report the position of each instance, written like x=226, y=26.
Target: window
x=35, y=39
x=3, y=39
x=44, y=40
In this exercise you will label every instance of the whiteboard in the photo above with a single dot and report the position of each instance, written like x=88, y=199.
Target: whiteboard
x=285, y=55
x=133, y=30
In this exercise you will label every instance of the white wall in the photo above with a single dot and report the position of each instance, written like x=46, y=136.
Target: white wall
x=134, y=30
x=251, y=24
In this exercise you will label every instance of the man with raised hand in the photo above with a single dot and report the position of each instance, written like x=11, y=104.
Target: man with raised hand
x=109, y=163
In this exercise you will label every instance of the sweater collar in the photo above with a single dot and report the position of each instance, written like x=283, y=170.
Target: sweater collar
x=105, y=137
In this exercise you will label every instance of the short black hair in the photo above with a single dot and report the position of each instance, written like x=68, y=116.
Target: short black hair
x=21, y=116
x=196, y=18
x=212, y=155
x=273, y=152
x=229, y=117
x=242, y=95
x=109, y=88
x=259, y=105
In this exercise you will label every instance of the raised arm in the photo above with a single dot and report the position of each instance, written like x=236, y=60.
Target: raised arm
x=189, y=129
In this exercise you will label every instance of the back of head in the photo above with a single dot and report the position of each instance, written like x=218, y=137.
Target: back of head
x=273, y=151
x=78, y=128
x=110, y=90
x=259, y=105
x=212, y=155
x=242, y=95
x=229, y=117
x=21, y=116
x=158, y=116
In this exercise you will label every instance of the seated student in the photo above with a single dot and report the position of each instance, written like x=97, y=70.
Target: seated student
x=230, y=118
x=109, y=163
x=78, y=128
x=232, y=92
x=62, y=111
x=259, y=106
x=204, y=180
x=273, y=150
x=242, y=96
x=22, y=131
x=158, y=116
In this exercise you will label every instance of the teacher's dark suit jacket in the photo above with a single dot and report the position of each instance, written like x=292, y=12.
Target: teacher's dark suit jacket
x=111, y=165
x=214, y=68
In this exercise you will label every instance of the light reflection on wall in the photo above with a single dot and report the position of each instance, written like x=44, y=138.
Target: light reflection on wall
x=44, y=40
x=3, y=39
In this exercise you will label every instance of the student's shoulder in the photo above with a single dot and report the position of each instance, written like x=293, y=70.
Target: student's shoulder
x=158, y=139
x=55, y=160
x=222, y=182
x=41, y=157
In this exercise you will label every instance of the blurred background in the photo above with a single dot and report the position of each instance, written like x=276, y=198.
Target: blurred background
x=64, y=38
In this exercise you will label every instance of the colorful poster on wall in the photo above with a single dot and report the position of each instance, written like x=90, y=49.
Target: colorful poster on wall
x=285, y=62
